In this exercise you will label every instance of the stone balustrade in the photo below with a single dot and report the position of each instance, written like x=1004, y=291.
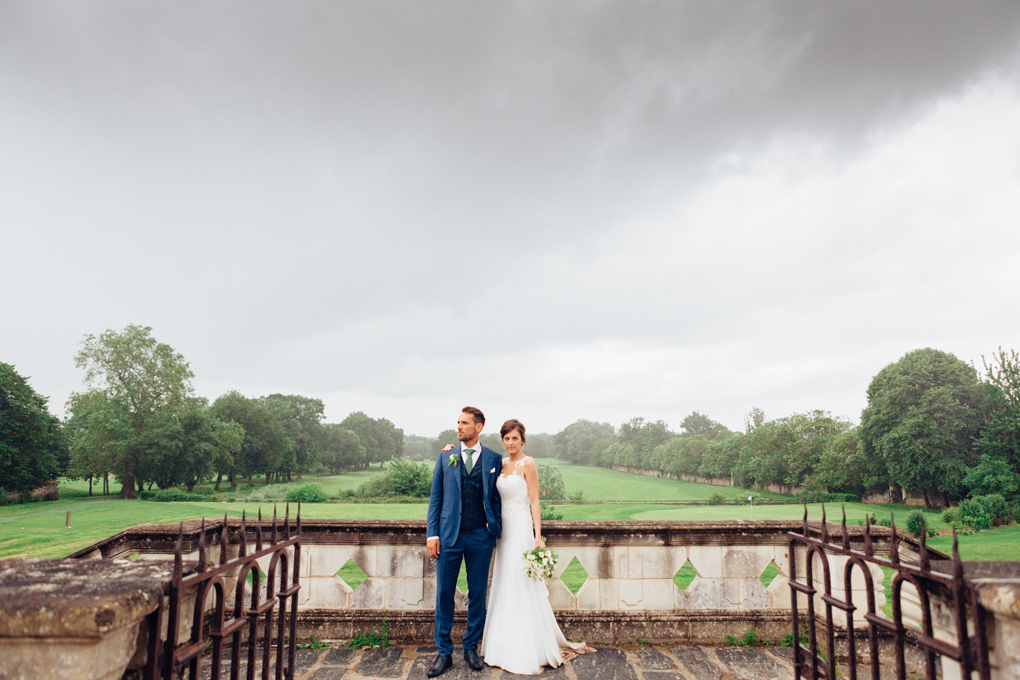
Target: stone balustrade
x=628, y=593
x=630, y=569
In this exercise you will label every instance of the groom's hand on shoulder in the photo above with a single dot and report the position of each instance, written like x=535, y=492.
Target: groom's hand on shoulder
x=433, y=547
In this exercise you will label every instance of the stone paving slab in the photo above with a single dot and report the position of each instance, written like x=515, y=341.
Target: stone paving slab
x=647, y=662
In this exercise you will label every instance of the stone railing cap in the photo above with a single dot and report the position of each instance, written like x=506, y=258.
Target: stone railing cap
x=77, y=598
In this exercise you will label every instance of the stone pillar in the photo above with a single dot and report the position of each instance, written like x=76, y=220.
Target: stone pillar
x=1001, y=600
x=75, y=618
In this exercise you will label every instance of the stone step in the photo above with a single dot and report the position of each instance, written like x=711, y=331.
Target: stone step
x=649, y=662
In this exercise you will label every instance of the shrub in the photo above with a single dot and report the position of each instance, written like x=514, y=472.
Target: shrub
x=916, y=523
x=50, y=492
x=579, y=496
x=974, y=515
x=549, y=512
x=402, y=478
x=550, y=482
x=715, y=497
x=6, y=498
x=175, y=495
x=950, y=516
x=996, y=508
x=312, y=492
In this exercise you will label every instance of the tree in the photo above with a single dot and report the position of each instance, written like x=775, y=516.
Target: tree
x=787, y=451
x=999, y=443
x=921, y=418
x=697, y=423
x=445, y=438
x=417, y=447
x=146, y=384
x=576, y=441
x=265, y=441
x=721, y=455
x=301, y=418
x=191, y=450
x=343, y=448
x=381, y=439
x=644, y=437
x=32, y=447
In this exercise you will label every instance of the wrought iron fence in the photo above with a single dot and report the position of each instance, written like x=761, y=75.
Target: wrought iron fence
x=169, y=658
x=946, y=583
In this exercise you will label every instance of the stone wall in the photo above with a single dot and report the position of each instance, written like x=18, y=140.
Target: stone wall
x=630, y=570
x=85, y=617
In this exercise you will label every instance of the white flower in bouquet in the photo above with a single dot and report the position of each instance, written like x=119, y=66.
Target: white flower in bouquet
x=539, y=563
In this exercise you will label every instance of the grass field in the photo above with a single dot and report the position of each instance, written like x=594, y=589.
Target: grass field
x=600, y=484
x=37, y=529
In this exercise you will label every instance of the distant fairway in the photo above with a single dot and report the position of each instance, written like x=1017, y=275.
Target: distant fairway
x=602, y=484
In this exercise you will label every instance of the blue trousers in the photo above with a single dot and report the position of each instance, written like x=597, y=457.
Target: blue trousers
x=475, y=549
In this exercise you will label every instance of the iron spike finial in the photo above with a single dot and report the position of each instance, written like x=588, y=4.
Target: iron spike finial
x=805, y=520
x=845, y=535
x=286, y=521
x=258, y=531
x=178, y=565
x=868, y=548
x=273, y=542
x=825, y=526
x=242, y=544
x=923, y=562
x=894, y=548
x=297, y=526
x=201, y=547
x=223, y=541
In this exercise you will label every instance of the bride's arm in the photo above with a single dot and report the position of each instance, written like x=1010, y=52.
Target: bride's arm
x=531, y=476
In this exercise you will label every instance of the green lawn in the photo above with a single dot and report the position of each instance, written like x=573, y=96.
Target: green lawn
x=332, y=485
x=602, y=484
x=37, y=529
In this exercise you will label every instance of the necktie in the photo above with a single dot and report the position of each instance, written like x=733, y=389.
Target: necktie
x=467, y=460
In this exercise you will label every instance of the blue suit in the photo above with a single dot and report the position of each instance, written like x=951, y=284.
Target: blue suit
x=473, y=547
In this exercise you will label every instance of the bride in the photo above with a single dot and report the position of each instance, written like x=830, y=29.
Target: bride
x=521, y=634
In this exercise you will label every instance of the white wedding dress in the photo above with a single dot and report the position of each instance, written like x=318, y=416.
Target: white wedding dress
x=521, y=634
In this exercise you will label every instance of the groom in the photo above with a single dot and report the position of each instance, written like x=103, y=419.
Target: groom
x=464, y=522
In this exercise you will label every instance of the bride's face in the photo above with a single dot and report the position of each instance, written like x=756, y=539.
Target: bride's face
x=512, y=442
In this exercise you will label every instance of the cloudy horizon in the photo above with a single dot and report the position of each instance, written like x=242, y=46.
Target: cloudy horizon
x=593, y=210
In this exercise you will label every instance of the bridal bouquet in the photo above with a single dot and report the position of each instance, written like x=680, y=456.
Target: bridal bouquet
x=539, y=563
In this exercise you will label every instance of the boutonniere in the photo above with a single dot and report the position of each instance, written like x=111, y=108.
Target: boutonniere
x=454, y=459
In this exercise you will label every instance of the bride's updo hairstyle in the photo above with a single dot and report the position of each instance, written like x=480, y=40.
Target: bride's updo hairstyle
x=511, y=425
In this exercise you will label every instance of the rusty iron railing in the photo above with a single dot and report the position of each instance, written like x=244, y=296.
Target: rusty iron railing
x=170, y=658
x=969, y=616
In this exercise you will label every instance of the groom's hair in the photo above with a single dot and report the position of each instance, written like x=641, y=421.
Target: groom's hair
x=476, y=412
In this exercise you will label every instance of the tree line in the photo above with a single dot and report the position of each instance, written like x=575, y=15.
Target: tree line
x=139, y=420
x=933, y=426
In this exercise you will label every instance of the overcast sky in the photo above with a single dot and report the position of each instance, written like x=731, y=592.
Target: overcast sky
x=552, y=211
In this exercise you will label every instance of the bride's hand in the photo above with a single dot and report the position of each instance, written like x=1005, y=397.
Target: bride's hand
x=449, y=447
x=539, y=542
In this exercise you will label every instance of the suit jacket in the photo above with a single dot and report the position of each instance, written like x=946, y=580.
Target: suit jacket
x=444, y=503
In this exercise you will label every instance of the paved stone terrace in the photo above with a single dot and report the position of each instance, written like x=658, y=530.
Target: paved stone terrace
x=609, y=663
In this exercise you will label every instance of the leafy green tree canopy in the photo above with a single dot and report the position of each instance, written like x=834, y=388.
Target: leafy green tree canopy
x=32, y=447
x=921, y=418
x=144, y=384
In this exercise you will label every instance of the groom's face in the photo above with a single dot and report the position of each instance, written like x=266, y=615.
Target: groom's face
x=467, y=429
